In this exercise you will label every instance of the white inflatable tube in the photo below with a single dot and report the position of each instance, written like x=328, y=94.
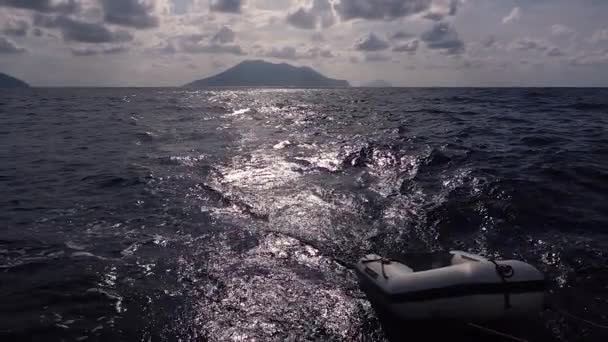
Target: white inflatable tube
x=471, y=287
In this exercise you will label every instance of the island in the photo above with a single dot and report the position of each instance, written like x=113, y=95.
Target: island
x=7, y=81
x=258, y=73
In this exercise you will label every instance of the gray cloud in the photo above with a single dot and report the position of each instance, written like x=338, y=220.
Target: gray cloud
x=302, y=19
x=371, y=43
x=89, y=51
x=228, y=6
x=453, y=8
x=319, y=14
x=286, y=52
x=409, y=47
x=593, y=59
x=291, y=53
x=435, y=16
x=377, y=57
x=197, y=44
x=527, y=44
x=400, y=35
x=600, y=35
x=561, y=30
x=80, y=31
x=16, y=28
x=555, y=52
x=47, y=6
x=380, y=9
x=443, y=37
x=131, y=13
x=7, y=46
x=224, y=35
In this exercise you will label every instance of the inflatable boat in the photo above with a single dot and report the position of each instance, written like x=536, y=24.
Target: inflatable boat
x=452, y=286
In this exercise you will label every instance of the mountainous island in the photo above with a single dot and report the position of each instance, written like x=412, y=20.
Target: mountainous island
x=257, y=73
x=7, y=81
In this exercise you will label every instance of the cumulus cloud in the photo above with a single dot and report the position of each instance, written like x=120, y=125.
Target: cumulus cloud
x=90, y=51
x=223, y=36
x=380, y=9
x=527, y=44
x=561, y=30
x=16, y=27
x=302, y=19
x=47, y=6
x=443, y=37
x=600, y=35
x=513, y=16
x=81, y=31
x=371, y=43
x=286, y=52
x=132, y=13
x=227, y=6
x=409, y=47
x=199, y=44
x=309, y=18
x=7, y=46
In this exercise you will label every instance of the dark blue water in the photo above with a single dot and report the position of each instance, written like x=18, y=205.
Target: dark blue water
x=165, y=214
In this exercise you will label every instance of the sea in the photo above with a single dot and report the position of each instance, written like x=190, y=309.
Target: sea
x=236, y=214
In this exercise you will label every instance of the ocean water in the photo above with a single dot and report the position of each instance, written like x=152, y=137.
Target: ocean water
x=232, y=215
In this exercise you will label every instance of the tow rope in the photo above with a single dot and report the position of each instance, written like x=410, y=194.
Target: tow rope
x=504, y=272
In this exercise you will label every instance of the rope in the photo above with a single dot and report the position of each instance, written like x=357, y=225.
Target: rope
x=496, y=332
x=504, y=272
x=383, y=261
x=591, y=323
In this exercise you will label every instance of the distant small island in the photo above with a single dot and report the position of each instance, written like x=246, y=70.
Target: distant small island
x=7, y=81
x=257, y=73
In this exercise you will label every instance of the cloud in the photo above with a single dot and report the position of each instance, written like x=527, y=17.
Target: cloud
x=527, y=44
x=89, y=51
x=593, y=59
x=513, y=16
x=197, y=44
x=16, y=28
x=489, y=42
x=131, y=13
x=443, y=37
x=309, y=18
x=371, y=43
x=80, y=31
x=7, y=46
x=600, y=35
x=291, y=53
x=377, y=57
x=555, y=52
x=380, y=9
x=400, y=35
x=46, y=6
x=226, y=6
x=286, y=52
x=435, y=16
x=453, y=9
x=561, y=30
x=224, y=35
x=302, y=19
x=409, y=47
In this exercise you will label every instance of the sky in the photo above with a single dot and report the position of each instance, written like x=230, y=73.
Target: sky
x=404, y=42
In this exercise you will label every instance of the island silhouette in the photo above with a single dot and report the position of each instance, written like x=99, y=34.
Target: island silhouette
x=258, y=73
